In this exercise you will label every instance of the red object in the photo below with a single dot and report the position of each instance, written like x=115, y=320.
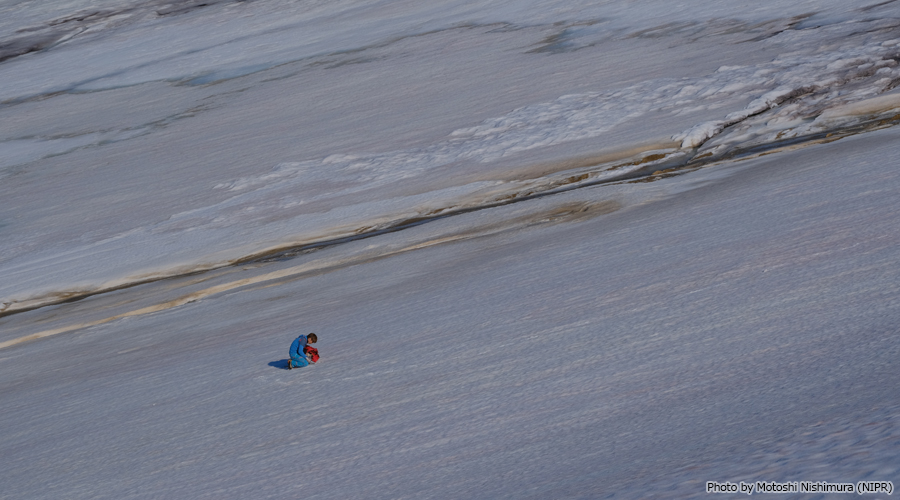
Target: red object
x=312, y=352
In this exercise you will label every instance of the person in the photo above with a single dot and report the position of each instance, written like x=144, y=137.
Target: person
x=302, y=353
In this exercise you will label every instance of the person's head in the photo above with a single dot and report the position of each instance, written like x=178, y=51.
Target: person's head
x=311, y=338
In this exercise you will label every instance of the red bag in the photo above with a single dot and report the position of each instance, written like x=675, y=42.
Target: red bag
x=312, y=352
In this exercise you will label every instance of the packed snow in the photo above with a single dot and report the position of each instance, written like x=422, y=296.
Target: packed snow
x=551, y=249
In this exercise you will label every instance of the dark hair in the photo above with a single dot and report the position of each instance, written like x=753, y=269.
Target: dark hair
x=311, y=338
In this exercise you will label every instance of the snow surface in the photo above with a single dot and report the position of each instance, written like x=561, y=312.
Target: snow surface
x=551, y=249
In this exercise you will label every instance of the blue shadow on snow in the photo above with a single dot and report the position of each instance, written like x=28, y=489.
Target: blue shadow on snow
x=281, y=364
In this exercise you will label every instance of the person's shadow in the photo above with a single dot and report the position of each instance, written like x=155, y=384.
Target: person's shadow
x=281, y=364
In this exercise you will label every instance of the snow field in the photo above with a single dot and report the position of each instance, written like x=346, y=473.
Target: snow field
x=639, y=352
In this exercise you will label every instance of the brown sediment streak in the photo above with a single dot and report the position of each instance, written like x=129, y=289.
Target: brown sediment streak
x=563, y=213
x=589, y=165
x=191, y=297
x=517, y=168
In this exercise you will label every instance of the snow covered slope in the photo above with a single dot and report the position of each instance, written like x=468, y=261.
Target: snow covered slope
x=551, y=250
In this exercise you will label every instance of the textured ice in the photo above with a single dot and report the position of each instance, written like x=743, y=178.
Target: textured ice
x=343, y=193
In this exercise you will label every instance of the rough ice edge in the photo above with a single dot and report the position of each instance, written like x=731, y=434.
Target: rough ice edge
x=698, y=134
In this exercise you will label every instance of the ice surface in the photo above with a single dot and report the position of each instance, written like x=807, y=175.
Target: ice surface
x=347, y=192
x=564, y=249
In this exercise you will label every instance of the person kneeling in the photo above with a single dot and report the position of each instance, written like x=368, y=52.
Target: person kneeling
x=302, y=353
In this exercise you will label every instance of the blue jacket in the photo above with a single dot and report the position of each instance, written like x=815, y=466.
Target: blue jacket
x=297, y=347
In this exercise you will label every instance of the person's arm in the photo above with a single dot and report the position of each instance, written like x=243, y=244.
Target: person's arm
x=298, y=345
